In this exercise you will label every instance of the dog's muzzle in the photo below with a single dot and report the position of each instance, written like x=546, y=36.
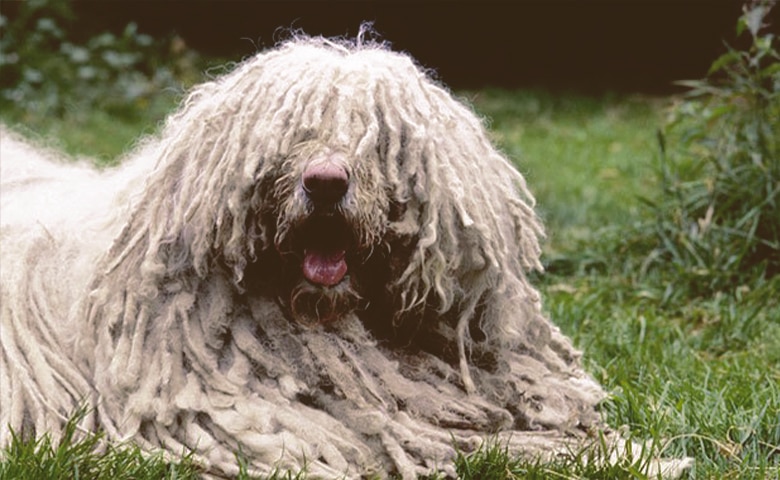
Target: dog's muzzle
x=325, y=182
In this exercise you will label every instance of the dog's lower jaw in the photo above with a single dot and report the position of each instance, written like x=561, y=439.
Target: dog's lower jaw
x=312, y=304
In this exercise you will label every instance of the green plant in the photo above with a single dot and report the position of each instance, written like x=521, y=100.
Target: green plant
x=47, y=70
x=718, y=225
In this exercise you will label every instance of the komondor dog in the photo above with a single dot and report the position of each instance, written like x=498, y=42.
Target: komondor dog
x=321, y=262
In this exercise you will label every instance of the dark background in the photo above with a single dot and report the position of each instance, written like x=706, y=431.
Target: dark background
x=585, y=45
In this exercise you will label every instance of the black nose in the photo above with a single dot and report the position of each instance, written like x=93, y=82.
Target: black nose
x=326, y=180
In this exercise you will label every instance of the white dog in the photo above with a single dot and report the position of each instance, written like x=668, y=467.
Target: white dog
x=320, y=261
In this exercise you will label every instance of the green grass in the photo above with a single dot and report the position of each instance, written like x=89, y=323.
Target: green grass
x=97, y=134
x=585, y=158
x=701, y=373
x=76, y=456
x=701, y=377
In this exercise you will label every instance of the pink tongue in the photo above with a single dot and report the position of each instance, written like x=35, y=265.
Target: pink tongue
x=325, y=268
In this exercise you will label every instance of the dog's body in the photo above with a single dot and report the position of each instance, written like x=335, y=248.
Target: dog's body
x=320, y=260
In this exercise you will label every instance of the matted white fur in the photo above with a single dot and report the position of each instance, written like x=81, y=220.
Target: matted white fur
x=168, y=294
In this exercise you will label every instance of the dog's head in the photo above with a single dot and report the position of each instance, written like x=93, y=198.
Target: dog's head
x=337, y=176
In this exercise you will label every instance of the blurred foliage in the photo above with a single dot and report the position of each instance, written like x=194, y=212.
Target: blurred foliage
x=48, y=71
x=717, y=222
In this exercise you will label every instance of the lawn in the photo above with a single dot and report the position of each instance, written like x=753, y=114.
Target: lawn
x=703, y=373
x=699, y=377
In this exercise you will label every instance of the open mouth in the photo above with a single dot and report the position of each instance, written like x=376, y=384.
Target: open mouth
x=325, y=240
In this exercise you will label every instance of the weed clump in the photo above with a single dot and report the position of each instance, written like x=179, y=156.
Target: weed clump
x=717, y=222
x=48, y=69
